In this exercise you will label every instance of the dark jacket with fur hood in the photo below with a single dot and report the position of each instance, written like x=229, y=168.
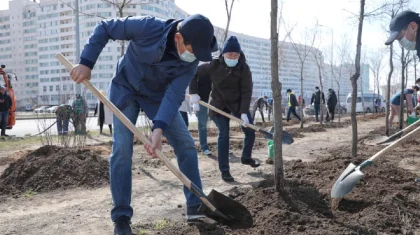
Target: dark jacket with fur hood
x=231, y=87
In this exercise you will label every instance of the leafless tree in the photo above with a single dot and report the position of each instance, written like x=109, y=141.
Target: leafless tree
x=228, y=8
x=392, y=9
x=376, y=58
x=303, y=51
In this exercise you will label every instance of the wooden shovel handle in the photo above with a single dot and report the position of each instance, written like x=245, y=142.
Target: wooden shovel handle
x=191, y=186
x=230, y=116
x=394, y=145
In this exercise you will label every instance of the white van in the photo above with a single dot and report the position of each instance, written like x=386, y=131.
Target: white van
x=369, y=100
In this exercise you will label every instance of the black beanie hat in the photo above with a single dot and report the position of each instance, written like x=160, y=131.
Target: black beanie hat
x=231, y=45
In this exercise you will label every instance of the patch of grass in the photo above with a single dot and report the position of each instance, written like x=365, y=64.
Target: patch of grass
x=161, y=224
x=29, y=193
x=16, y=143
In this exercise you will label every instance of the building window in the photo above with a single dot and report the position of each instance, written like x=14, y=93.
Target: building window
x=57, y=88
x=44, y=88
x=51, y=88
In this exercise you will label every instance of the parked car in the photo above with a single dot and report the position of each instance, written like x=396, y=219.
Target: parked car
x=369, y=102
x=41, y=109
x=28, y=108
x=51, y=109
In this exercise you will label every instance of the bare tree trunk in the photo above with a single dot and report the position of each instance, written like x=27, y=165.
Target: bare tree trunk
x=401, y=115
x=354, y=80
x=388, y=90
x=229, y=15
x=276, y=90
x=301, y=93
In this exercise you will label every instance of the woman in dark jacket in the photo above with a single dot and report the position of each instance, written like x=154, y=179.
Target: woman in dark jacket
x=231, y=92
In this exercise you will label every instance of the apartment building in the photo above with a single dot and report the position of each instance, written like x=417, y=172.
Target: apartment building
x=32, y=33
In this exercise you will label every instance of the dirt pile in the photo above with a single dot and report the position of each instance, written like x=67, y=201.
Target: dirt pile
x=386, y=201
x=52, y=167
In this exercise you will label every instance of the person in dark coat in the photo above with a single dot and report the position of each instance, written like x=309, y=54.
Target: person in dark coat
x=105, y=116
x=331, y=103
x=5, y=105
x=259, y=105
x=269, y=107
x=292, y=103
x=317, y=96
x=231, y=92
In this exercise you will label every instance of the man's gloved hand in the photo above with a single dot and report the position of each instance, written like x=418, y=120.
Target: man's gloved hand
x=196, y=107
x=194, y=98
x=245, y=119
x=413, y=114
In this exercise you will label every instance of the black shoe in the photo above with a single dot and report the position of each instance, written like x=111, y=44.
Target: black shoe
x=250, y=161
x=193, y=215
x=226, y=176
x=5, y=135
x=122, y=226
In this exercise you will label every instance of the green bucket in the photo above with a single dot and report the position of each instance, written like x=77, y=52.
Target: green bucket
x=411, y=120
x=270, y=149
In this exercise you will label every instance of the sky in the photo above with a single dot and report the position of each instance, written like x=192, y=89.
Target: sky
x=252, y=17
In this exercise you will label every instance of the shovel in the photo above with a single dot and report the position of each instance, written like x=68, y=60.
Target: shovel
x=286, y=137
x=352, y=174
x=383, y=140
x=216, y=205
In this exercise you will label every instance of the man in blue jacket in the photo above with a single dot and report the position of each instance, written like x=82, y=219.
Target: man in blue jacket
x=159, y=64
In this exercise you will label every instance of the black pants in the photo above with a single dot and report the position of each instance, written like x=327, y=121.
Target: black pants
x=185, y=117
x=292, y=110
x=331, y=111
x=254, y=111
x=101, y=126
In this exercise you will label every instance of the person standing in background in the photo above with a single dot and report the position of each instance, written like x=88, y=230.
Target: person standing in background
x=63, y=114
x=105, y=115
x=5, y=105
x=80, y=113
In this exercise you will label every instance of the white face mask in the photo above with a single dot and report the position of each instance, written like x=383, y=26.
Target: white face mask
x=407, y=44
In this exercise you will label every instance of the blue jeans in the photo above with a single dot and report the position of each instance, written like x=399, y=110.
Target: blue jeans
x=202, y=117
x=178, y=137
x=62, y=126
x=4, y=116
x=222, y=124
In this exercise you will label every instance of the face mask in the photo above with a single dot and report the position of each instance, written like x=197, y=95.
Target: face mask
x=187, y=56
x=409, y=45
x=230, y=62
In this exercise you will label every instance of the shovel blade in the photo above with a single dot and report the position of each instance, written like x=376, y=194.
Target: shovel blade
x=287, y=138
x=229, y=212
x=346, y=182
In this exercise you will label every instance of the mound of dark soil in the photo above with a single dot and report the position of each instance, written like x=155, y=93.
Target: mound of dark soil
x=52, y=167
x=386, y=201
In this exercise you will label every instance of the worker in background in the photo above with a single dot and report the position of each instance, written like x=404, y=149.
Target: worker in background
x=395, y=102
x=292, y=103
x=259, y=104
x=331, y=103
x=317, y=100
x=5, y=105
x=105, y=116
x=269, y=107
x=63, y=115
x=80, y=113
x=231, y=92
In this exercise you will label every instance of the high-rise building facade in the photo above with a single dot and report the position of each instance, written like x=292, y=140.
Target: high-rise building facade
x=32, y=33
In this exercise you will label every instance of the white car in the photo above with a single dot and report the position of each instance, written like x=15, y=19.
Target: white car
x=41, y=109
x=51, y=109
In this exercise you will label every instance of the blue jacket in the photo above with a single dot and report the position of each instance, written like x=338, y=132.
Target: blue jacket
x=157, y=85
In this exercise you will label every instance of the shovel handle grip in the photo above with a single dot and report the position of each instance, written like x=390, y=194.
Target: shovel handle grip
x=191, y=186
x=394, y=145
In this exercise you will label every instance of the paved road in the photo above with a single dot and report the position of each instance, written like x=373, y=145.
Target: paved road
x=34, y=126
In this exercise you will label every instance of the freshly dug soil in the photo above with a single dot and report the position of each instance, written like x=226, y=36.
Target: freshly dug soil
x=52, y=167
x=386, y=201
